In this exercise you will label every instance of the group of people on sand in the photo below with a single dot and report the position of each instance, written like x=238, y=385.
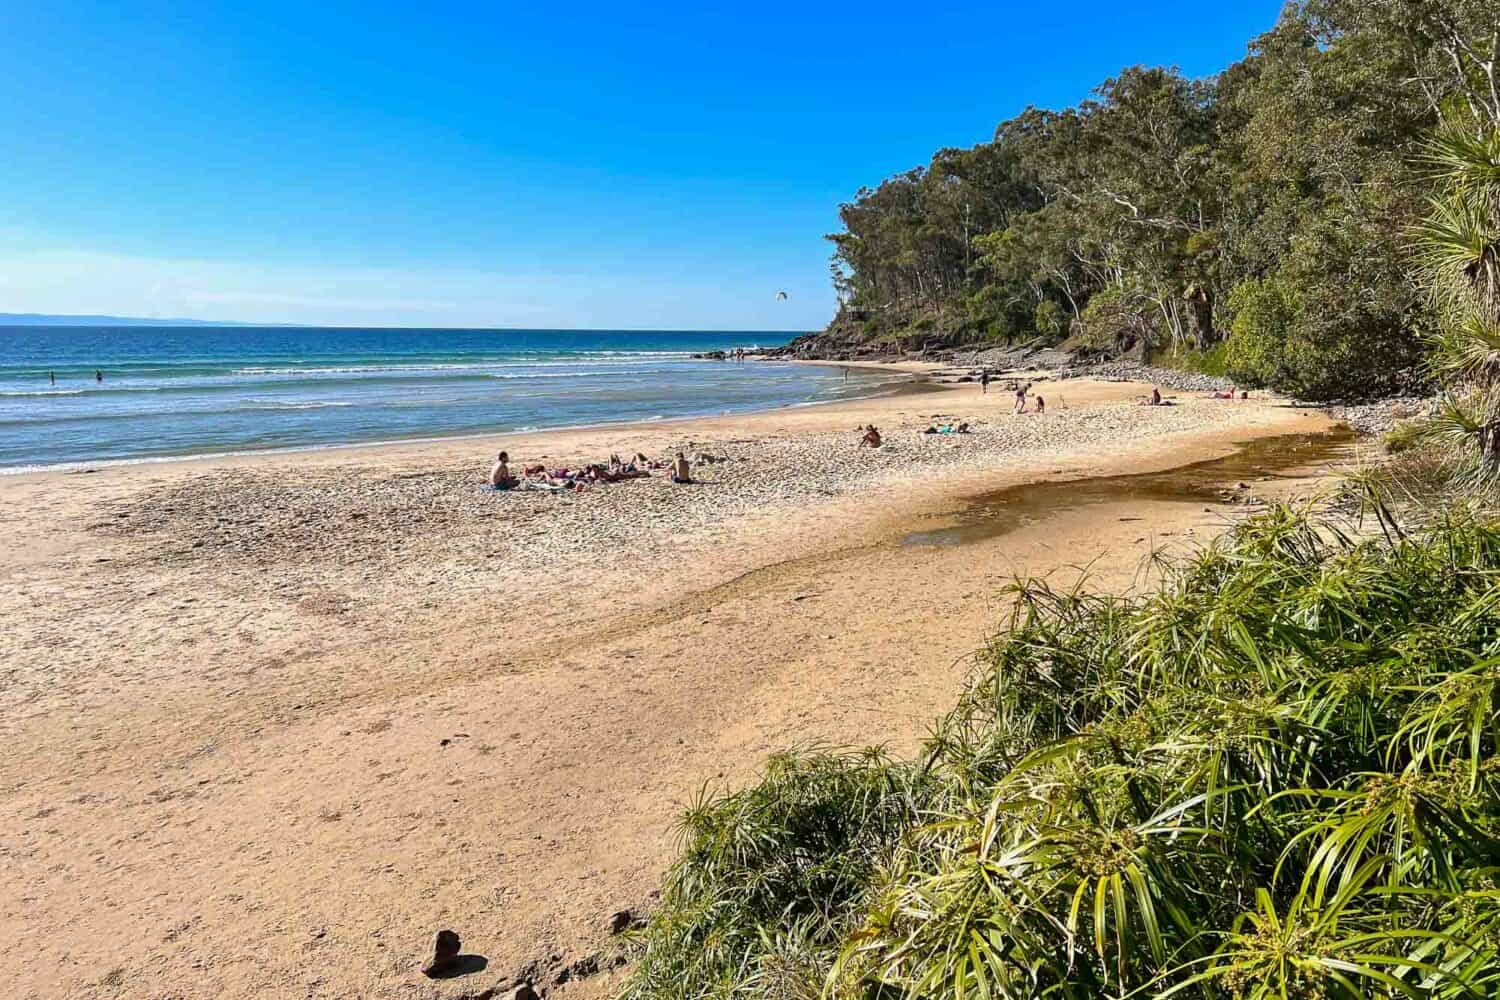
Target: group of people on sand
x=1022, y=390
x=616, y=470
x=1155, y=399
x=870, y=436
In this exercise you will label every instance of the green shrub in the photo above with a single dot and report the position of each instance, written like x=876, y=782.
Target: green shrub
x=1209, y=362
x=1255, y=353
x=1051, y=320
x=1110, y=316
x=1343, y=349
x=1274, y=776
x=768, y=879
x=1315, y=341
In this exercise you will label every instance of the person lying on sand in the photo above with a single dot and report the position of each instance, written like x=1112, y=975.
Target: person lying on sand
x=871, y=438
x=500, y=477
x=682, y=472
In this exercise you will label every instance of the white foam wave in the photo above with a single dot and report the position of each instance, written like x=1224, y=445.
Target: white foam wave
x=603, y=357
x=282, y=404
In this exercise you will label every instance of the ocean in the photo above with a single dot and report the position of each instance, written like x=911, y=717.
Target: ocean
x=178, y=391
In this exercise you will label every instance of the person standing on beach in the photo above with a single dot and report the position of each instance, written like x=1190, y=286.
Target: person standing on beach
x=1021, y=392
x=52, y=378
x=98, y=376
x=984, y=382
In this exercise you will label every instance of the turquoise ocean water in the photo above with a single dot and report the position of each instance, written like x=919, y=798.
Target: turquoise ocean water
x=175, y=391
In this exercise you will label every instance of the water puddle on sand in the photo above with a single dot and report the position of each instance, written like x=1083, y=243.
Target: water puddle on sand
x=991, y=515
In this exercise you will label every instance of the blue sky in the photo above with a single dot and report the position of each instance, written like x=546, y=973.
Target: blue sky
x=489, y=164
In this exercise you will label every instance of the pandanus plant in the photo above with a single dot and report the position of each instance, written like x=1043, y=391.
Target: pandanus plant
x=1274, y=776
x=1457, y=257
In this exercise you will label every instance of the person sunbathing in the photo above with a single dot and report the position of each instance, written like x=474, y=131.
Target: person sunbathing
x=871, y=438
x=500, y=476
x=682, y=472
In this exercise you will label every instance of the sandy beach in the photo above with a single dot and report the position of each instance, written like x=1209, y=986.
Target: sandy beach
x=270, y=721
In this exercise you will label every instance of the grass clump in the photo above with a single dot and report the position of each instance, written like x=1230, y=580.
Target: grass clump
x=1405, y=436
x=1276, y=775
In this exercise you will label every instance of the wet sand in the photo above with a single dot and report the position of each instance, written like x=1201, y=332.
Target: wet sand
x=271, y=721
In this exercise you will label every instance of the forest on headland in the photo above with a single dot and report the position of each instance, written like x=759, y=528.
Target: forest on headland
x=1253, y=223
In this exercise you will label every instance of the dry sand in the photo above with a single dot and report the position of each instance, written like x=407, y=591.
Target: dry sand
x=270, y=721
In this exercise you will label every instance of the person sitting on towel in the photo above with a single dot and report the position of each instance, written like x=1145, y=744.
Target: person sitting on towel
x=500, y=477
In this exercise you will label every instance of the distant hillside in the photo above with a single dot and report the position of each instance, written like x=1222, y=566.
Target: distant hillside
x=44, y=319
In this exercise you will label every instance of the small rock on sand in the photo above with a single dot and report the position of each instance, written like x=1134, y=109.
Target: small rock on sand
x=445, y=948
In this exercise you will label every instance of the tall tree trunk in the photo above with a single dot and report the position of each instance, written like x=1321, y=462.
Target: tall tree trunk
x=1200, y=316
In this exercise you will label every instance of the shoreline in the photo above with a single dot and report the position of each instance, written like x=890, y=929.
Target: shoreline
x=77, y=468
x=271, y=720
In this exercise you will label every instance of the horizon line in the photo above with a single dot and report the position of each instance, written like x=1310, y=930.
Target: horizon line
x=12, y=321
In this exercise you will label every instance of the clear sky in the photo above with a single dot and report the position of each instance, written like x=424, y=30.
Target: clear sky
x=505, y=164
